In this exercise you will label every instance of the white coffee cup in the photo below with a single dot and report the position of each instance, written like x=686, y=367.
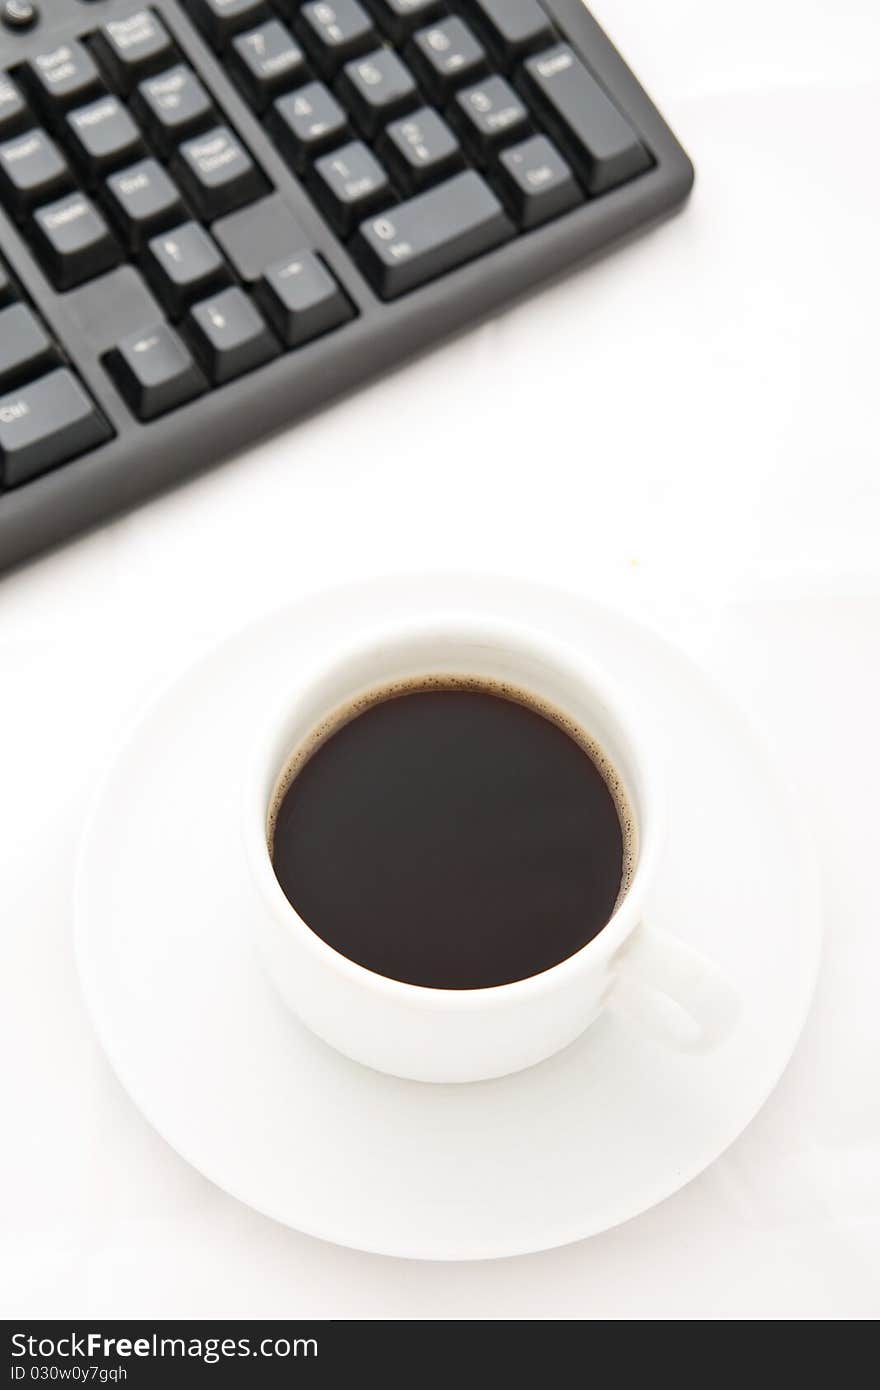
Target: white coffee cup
x=442, y=1035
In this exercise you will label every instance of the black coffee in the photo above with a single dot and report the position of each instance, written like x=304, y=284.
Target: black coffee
x=448, y=835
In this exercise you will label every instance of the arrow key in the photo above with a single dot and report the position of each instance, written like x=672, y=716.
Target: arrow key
x=302, y=299
x=230, y=335
x=184, y=265
x=154, y=371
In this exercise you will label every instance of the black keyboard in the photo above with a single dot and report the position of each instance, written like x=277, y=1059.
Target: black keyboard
x=217, y=214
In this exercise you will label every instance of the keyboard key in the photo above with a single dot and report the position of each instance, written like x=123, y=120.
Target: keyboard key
x=537, y=182
x=596, y=136
x=446, y=56
x=62, y=77
x=230, y=335
x=399, y=17
x=32, y=169
x=102, y=136
x=130, y=49
x=512, y=28
x=142, y=201
x=14, y=113
x=302, y=300
x=259, y=235
x=488, y=115
x=217, y=173
x=335, y=33
x=25, y=348
x=184, y=265
x=377, y=88
x=220, y=19
x=431, y=234
x=46, y=423
x=420, y=149
x=267, y=61
x=7, y=289
x=155, y=371
x=350, y=184
x=308, y=122
x=172, y=105
x=19, y=14
x=74, y=241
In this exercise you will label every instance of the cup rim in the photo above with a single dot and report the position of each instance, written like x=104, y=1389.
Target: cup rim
x=479, y=630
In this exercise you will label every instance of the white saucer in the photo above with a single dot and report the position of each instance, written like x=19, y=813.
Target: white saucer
x=244, y=1093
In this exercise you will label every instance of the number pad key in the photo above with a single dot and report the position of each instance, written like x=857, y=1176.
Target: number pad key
x=377, y=88
x=420, y=149
x=488, y=115
x=431, y=234
x=537, y=182
x=512, y=28
x=446, y=56
x=399, y=17
x=350, y=184
x=265, y=62
x=308, y=122
x=333, y=33
x=597, y=137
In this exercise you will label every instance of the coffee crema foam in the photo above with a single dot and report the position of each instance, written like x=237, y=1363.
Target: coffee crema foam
x=415, y=685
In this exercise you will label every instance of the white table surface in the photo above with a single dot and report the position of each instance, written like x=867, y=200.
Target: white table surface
x=687, y=430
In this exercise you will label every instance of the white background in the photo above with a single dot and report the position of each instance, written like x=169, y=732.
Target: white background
x=687, y=429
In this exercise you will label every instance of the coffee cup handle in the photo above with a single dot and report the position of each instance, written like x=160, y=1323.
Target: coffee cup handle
x=673, y=993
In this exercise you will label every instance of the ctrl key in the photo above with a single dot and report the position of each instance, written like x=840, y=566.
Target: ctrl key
x=155, y=371
x=47, y=423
